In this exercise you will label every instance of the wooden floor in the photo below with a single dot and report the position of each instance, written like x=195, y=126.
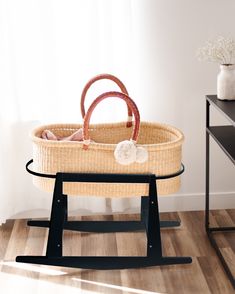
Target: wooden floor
x=204, y=275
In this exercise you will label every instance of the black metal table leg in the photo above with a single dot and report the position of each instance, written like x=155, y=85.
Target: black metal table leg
x=207, y=221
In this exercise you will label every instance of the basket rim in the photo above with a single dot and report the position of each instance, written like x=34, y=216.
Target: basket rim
x=93, y=145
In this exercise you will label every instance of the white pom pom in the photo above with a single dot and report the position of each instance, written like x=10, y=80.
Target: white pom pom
x=125, y=152
x=141, y=155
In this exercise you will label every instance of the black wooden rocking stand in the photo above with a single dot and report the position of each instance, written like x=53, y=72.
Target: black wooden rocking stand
x=59, y=221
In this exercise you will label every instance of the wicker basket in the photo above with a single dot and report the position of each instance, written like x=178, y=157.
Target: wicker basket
x=163, y=143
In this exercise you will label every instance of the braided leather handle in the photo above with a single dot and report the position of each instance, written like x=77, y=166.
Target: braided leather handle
x=108, y=77
x=131, y=104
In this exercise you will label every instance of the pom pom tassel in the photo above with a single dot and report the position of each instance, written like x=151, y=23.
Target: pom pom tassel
x=126, y=153
x=141, y=155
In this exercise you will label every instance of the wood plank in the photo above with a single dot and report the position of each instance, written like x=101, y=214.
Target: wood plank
x=214, y=274
x=142, y=279
x=204, y=275
x=18, y=240
x=193, y=224
x=222, y=218
x=5, y=233
x=231, y=213
x=100, y=244
x=185, y=279
x=229, y=256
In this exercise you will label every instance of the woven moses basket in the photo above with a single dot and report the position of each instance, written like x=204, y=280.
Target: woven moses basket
x=162, y=142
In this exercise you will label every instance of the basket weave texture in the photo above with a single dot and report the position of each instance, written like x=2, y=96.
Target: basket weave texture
x=163, y=143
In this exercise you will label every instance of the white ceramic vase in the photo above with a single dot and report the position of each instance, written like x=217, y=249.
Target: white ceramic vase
x=226, y=82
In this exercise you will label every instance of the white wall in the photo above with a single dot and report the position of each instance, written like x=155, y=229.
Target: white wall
x=169, y=85
x=176, y=82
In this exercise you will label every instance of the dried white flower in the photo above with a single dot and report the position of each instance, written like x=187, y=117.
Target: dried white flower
x=220, y=50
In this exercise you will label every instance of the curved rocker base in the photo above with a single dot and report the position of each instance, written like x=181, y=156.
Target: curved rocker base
x=104, y=262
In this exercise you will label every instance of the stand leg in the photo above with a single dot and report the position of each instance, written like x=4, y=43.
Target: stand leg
x=144, y=215
x=144, y=211
x=154, y=248
x=65, y=208
x=154, y=245
x=58, y=215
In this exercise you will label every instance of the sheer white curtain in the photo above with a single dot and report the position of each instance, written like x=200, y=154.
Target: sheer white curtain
x=48, y=51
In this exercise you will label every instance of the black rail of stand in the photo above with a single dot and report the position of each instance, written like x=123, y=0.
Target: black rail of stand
x=109, y=178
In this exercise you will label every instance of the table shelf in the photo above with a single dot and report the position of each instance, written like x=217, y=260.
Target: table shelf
x=227, y=108
x=225, y=137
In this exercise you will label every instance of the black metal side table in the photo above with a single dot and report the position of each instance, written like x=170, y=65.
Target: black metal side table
x=224, y=136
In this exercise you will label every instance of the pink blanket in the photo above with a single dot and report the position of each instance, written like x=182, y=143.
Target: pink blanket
x=49, y=135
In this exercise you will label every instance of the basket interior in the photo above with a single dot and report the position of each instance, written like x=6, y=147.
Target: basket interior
x=114, y=133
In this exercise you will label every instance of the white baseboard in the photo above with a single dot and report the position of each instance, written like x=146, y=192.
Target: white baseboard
x=187, y=202
x=192, y=202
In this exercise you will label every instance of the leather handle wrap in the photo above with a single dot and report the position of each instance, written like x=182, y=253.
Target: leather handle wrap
x=108, y=77
x=131, y=104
